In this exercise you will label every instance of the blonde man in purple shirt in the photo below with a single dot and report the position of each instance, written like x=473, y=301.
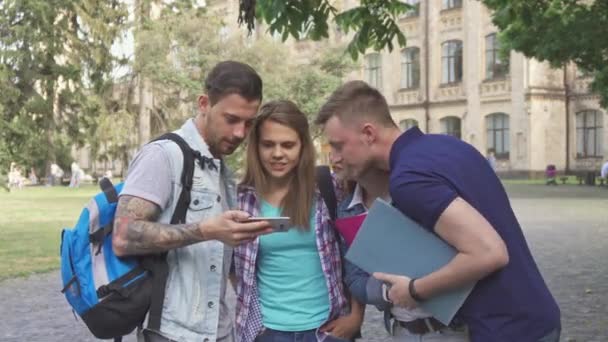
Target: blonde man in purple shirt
x=448, y=187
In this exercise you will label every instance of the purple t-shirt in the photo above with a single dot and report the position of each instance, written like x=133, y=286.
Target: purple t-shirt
x=427, y=173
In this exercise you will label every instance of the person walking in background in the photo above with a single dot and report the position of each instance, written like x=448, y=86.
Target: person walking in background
x=604, y=172
x=33, y=177
x=56, y=175
x=15, y=178
x=75, y=176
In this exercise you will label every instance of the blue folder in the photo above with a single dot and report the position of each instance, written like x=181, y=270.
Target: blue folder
x=390, y=242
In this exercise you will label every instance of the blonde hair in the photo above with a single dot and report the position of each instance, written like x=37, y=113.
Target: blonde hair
x=356, y=100
x=298, y=202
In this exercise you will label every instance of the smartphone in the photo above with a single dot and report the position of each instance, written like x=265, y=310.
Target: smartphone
x=278, y=224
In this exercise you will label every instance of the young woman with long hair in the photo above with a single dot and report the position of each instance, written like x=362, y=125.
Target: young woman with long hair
x=289, y=284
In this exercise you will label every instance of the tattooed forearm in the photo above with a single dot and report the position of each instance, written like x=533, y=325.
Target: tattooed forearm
x=136, y=232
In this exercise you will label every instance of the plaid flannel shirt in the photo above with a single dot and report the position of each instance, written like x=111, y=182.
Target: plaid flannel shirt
x=249, y=321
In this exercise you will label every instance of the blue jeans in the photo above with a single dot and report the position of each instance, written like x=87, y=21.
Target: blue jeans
x=269, y=335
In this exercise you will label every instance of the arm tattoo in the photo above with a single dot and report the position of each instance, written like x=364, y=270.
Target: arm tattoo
x=137, y=229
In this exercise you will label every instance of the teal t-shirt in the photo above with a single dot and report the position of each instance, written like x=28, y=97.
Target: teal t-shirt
x=291, y=284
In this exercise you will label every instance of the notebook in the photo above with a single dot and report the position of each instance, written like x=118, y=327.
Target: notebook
x=349, y=226
x=390, y=242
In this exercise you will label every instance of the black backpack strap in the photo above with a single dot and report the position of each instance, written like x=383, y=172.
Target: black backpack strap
x=326, y=187
x=179, y=215
x=108, y=189
x=157, y=264
x=98, y=236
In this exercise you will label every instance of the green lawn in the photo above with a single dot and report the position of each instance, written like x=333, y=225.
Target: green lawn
x=31, y=221
x=534, y=181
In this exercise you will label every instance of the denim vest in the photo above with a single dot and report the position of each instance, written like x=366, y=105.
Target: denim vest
x=193, y=292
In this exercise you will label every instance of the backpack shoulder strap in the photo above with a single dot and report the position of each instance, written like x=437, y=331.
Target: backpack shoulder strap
x=112, y=197
x=158, y=263
x=326, y=187
x=183, y=202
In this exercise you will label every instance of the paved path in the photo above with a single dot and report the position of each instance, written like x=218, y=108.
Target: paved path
x=566, y=228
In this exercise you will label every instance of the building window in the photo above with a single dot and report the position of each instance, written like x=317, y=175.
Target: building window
x=451, y=62
x=495, y=66
x=415, y=11
x=373, y=70
x=410, y=68
x=498, y=134
x=407, y=124
x=450, y=125
x=447, y=4
x=589, y=134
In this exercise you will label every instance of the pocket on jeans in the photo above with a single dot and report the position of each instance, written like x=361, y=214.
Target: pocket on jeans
x=330, y=338
x=264, y=336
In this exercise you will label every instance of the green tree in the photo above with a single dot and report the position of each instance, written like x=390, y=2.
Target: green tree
x=558, y=31
x=54, y=55
x=373, y=22
x=177, y=57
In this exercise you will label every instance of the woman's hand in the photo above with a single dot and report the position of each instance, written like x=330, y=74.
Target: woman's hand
x=346, y=327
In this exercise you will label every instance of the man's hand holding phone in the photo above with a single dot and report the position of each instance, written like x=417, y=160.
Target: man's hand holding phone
x=233, y=227
x=278, y=224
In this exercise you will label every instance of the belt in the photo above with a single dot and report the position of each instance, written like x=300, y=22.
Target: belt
x=422, y=326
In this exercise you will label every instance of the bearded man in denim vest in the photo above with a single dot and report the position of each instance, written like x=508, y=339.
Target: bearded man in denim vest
x=199, y=252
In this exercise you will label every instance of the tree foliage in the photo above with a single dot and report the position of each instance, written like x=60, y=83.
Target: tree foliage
x=558, y=31
x=176, y=51
x=373, y=22
x=56, y=71
x=53, y=54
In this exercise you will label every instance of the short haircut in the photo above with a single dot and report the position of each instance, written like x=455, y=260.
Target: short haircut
x=356, y=100
x=230, y=77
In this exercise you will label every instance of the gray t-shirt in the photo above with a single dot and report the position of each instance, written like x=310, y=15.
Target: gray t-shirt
x=150, y=177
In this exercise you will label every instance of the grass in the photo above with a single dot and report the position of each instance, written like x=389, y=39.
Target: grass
x=31, y=221
x=534, y=181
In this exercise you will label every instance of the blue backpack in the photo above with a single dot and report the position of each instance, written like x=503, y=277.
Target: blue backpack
x=112, y=295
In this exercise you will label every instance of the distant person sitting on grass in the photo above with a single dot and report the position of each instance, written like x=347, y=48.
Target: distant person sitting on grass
x=551, y=173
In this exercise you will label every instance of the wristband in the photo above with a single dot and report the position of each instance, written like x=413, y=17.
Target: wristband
x=385, y=289
x=413, y=292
